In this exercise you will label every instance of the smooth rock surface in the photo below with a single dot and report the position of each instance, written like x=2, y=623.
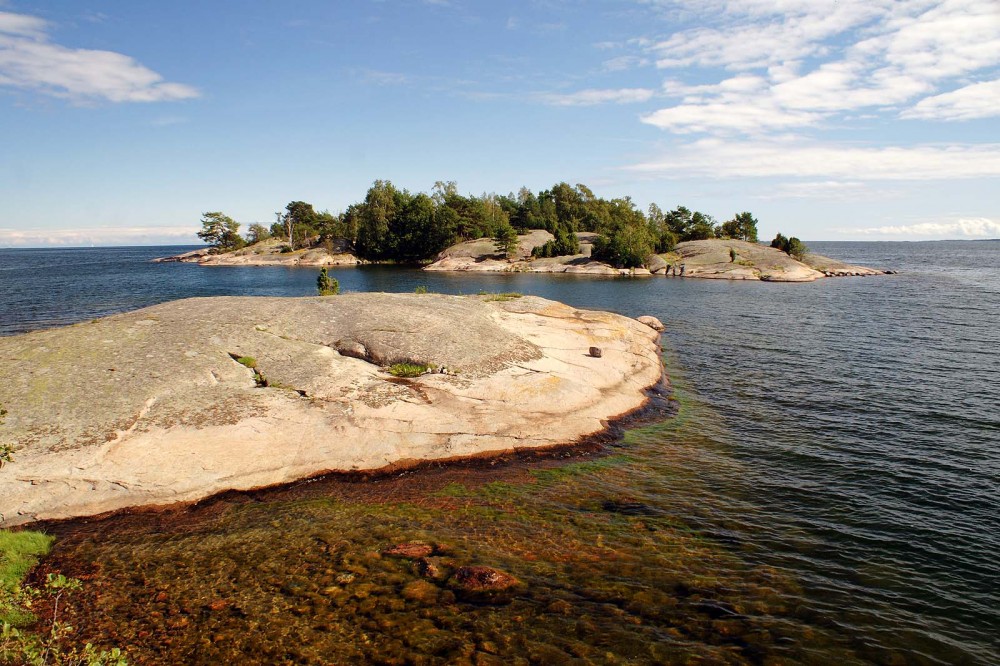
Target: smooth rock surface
x=150, y=407
x=268, y=253
x=481, y=256
x=712, y=259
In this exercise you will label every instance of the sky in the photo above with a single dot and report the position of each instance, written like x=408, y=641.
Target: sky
x=121, y=122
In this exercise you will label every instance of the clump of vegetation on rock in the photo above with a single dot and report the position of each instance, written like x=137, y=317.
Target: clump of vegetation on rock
x=326, y=285
x=503, y=296
x=408, y=369
x=793, y=247
x=6, y=450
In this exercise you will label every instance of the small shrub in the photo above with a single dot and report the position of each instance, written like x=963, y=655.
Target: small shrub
x=6, y=454
x=421, y=289
x=326, y=285
x=408, y=369
x=285, y=249
x=6, y=450
x=248, y=361
x=732, y=255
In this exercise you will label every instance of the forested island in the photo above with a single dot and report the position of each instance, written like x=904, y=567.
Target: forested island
x=562, y=229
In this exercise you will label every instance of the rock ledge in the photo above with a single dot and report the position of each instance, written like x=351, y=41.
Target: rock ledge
x=151, y=407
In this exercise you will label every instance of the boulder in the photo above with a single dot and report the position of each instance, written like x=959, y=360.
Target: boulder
x=652, y=322
x=483, y=584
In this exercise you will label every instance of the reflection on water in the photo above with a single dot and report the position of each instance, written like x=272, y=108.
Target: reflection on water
x=826, y=493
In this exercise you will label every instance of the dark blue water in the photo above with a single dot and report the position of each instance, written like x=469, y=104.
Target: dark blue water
x=845, y=432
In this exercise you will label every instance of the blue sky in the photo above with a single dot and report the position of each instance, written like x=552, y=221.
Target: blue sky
x=122, y=121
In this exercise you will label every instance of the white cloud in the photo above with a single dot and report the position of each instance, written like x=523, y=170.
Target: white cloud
x=817, y=60
x=969, y=227
x=715, y=158
x=594, y=96
x=623, y=63
x=721, y=116
x=979, y=100
x=28, y=60
x=97, y=236
x=827, y=190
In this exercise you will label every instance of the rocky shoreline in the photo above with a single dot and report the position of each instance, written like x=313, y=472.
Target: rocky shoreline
x=707, y=259
x=180, y=401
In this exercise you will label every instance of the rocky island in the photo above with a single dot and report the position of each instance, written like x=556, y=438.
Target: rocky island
x=182, y=400
x=727, y=259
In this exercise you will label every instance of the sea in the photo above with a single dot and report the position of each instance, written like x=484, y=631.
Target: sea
x=825, y=487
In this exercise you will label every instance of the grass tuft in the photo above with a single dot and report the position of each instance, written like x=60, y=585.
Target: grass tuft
x=504, y=296
x=408, y=369
x=248, y=361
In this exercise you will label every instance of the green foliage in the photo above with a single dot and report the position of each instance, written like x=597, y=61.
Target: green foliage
x=326, y=285
x=394, y=225
x=796, y=248
x=504, y=296
x=408, y=369
x=19, y=552
x=743, y=227
x=420, y=289
x=221, y=232
x=248, y=361
x=6, y=450
x=565, y=243
x=790, y=246
x=732, y=255
x=256, y=233
x=686, y=225
x=505, y=240
x=49, y=647
x=627, y=240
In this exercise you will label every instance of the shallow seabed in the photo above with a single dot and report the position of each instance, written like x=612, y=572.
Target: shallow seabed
x=605, y=542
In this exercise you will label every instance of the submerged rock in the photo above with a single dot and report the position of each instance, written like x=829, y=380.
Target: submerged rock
x=410, y=551
x=484, y=584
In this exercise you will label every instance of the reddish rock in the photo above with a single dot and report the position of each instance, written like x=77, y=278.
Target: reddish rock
x=218, y=605
x=410, y=551
x=484, y=584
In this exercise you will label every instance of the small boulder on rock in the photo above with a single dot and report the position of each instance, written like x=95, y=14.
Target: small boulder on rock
x=595, y=352
x=652, y=322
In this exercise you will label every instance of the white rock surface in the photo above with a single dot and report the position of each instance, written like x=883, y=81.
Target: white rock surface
x=150, y=408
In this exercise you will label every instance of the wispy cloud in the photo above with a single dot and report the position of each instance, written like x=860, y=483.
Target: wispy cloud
x=381, y=78
x=827, y=190
x=623, y=63
x=815, y=60
x=28, y=60
x=594, y=96
x=97, y=236
x=716, y=158
x=967, y=227
x=979, y=100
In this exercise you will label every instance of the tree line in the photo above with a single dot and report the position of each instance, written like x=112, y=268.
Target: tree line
x=395, y=225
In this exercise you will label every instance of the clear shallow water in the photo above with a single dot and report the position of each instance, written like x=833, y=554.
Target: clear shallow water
x=833, y=473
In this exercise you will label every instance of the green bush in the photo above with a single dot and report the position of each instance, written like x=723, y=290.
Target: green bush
x=408, y=369
x=248, y=361
x=421, y=289
x=326, y=285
